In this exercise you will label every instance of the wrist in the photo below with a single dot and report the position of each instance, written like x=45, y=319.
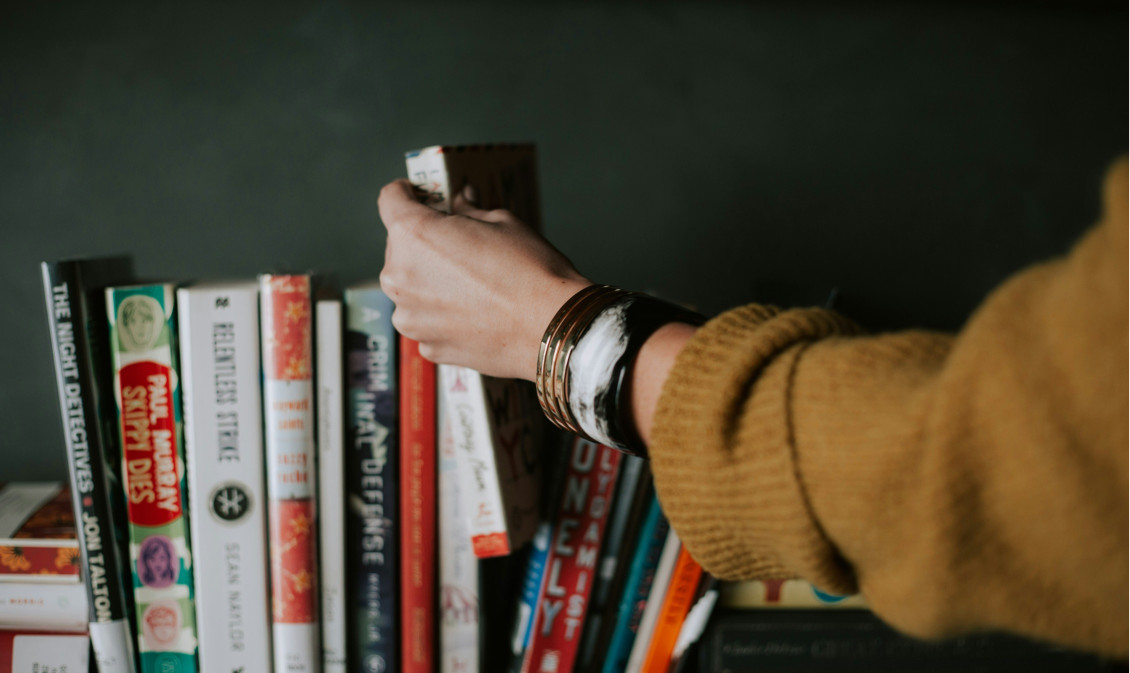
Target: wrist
x=650, y=370
x=549, y=300
x=587, y=357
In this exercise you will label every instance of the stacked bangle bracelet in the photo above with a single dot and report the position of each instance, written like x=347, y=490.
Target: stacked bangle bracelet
x=585, y=361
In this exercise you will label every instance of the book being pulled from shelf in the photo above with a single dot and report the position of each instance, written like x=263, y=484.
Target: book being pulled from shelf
x=38, y=540
x=147, y=389
x=497, y=422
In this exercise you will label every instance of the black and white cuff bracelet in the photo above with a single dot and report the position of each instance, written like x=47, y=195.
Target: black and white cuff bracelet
x=586, y=357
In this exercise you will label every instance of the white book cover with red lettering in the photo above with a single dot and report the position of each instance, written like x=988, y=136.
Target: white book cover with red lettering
x=497, y=422
x=288, y=404
x=497, y=440
x=220, y=372
x=571, y=566
x=458, y=567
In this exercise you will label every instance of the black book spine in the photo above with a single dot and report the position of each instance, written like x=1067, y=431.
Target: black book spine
x=618, y=539
x=110, y=631
x=372, y=469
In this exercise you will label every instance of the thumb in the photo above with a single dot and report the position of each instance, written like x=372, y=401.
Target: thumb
x=399, y=206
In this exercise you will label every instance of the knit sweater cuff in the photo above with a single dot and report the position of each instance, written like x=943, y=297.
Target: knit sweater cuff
x=722, y=449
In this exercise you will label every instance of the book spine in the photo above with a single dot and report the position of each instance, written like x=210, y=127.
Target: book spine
x=43, y=606
x=331, y=482
x=676, y=604
x=791, y=594
x=288, y=414
x=653, y=534
x=458, y=568
x=618, y=537
x=219, y=337
x=143, y=345
x=372, y=482
x=102, y=565
x=531, y=589
x=655, y=597
x=516, y=425
x=571, y=564
x=417, y=502
x=474, y=450
x=695, y=623
x=28, y=651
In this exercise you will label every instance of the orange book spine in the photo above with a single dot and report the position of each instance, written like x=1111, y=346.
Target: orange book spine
x=676, y=605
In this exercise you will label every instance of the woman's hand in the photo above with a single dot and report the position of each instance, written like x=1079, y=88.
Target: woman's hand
x=477, y=288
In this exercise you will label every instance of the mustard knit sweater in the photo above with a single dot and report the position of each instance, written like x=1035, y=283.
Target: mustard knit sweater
x=967, y=482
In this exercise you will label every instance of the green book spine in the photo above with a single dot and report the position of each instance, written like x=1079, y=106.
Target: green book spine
x=151, y=442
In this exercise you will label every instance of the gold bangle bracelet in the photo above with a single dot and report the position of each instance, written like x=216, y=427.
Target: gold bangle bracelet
x=594, y=307
x=558, y=343
x=554, y=407
x=548, y=343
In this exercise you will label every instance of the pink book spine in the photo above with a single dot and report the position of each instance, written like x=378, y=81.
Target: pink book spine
x=288, y=401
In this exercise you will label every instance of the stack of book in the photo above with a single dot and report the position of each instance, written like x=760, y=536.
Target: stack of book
x=266, y=476
x=43, y=603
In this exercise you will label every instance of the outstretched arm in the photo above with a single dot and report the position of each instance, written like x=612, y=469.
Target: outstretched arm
x=968, y=482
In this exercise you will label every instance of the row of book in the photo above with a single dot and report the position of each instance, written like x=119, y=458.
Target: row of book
x=266, y=476
x=43, y=602
x=255, y=446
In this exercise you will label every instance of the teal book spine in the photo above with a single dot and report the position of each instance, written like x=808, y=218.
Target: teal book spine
x=151, y=444
x=653, y=534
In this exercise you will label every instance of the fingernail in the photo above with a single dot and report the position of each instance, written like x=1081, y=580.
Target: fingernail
x=470, y=194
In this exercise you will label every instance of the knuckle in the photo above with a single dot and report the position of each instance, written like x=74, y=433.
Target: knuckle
x=403, y=322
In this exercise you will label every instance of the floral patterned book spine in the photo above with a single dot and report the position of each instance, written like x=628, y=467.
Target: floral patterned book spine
x=146, y=388
x=288, y=413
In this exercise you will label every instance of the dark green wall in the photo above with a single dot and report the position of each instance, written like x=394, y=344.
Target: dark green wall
x=912, y=154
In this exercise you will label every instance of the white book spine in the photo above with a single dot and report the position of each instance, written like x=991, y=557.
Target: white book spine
x=474, y=450
x=43, y=653
x=52, y=607
x=655, y=598
x=458, y=567
x=331, y=487
x=219, y=335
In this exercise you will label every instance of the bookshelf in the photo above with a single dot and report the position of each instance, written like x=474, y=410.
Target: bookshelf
x=713, y=152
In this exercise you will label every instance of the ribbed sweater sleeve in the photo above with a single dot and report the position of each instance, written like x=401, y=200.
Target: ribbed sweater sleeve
x=967, y=482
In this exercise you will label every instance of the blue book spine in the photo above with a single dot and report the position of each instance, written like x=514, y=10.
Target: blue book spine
x=531, y=586
x=371, y=478
x=653, y=534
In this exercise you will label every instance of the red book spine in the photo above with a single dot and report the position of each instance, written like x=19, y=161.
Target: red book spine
x=417, y=509
x=288, y=401
x=573, y=554
x=676, y=604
